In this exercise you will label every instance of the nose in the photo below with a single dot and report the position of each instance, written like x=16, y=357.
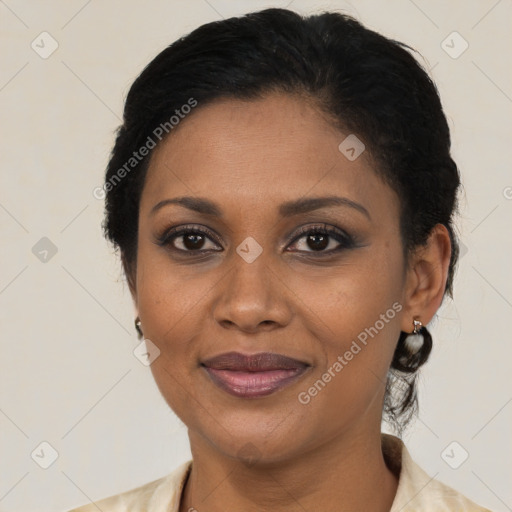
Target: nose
x=252, y=297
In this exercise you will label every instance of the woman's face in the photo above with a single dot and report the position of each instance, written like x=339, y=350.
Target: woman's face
x=251, y=282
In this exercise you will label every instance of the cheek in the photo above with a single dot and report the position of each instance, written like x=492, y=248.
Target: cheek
x=167, y=295
x=349, y=383
x=359, y=306
x=353, y=297
x=170, y=306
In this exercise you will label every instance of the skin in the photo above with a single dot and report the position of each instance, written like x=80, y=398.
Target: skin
x=273, y=452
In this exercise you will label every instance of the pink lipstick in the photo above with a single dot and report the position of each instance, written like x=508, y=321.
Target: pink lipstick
x=252, y=376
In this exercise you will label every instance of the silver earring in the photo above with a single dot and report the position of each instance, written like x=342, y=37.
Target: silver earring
x=415, y=340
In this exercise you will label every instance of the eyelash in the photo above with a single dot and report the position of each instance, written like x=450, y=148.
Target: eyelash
x=346, y=241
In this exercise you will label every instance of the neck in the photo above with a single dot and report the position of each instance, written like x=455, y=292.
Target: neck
x=348, y=473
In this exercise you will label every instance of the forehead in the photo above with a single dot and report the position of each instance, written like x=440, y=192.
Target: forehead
x=239, y=152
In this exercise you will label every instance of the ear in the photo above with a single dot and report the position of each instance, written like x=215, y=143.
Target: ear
x=426, y=278
x=130, y=273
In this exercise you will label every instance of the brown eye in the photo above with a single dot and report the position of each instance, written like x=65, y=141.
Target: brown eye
x=317, y=241
x=193, y=241
x=188, y=239
x=322, y=240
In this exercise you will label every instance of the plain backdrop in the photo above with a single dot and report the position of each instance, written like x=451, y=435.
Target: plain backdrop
x=68, y=374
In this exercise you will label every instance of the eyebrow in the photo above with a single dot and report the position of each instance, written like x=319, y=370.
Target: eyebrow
x=287, y=209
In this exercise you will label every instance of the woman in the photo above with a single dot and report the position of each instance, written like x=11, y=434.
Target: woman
x=282, y=195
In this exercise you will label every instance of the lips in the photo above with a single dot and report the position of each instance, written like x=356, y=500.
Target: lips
x=251, y=376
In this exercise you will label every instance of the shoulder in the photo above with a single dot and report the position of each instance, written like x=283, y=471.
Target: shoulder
x=161, y=495
x=419, y=492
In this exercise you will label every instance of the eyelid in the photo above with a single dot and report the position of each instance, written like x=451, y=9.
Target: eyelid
x=321, y=227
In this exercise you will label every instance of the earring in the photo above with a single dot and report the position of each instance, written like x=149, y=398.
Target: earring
x=413, y=349
x=415, y=340
x=138, y=328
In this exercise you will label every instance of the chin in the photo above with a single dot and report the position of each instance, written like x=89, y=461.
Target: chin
x=256, y=440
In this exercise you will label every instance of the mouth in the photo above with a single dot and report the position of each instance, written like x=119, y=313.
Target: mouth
x=252, y=376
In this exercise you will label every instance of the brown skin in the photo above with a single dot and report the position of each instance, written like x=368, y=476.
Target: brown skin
x=248, y=158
